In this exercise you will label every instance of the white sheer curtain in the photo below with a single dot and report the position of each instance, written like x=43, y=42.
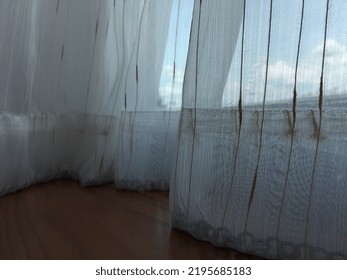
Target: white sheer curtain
x=79, y=83
x=261, y=160
x=254, y=148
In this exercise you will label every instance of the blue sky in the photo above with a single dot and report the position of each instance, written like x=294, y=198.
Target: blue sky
x=283, y=47
x=171, y=94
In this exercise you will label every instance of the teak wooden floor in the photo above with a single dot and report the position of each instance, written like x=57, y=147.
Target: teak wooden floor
x=62, y=220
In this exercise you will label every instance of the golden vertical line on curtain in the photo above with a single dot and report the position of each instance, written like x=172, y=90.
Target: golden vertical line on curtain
x=263, y=109
x=240, y=118
x=262, y=122
x=63, y=49
x=122, y=121
x=8, y=74
x=97, y=26
x=126, y=73
x=137, y=87
x=92, y=64
x=292, y=125
x=180, y=132
x=57, y=8
x=320, y=107
x=116, y=83
x=173, y=82
x=62, y=53
x=194, y=121
x=107, y=126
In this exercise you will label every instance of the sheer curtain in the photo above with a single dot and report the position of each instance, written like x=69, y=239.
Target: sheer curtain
x=79, y=87
x=261, y=159
x=237, y=106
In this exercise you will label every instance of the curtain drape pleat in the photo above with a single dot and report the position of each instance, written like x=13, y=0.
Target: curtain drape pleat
x=239, y=107
x=261, y=158
x=79, y=88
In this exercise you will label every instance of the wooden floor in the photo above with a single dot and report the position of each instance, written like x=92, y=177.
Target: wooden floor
x=62, y=220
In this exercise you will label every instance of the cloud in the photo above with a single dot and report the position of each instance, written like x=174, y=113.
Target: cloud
x=281, y=75
x=171, y=94
x=309, y=70
x=280, y=70
x=333, y=49
x=168, y=71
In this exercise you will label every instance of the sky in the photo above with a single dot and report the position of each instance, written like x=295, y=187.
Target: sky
x=169, y=92
x=286, y=17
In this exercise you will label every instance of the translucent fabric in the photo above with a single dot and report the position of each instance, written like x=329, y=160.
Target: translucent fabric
x=240, y=110
x=78, y=79
x=262, y=151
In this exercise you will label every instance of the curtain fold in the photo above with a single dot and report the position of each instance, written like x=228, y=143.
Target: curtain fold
x=239, y=107
x=261, y=158
x=79, y=78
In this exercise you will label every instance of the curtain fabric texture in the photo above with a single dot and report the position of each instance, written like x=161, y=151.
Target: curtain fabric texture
x=79, y=79
x=261, y=159
x=239, y=107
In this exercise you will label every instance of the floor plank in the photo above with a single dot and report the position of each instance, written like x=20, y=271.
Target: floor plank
x=62, y=220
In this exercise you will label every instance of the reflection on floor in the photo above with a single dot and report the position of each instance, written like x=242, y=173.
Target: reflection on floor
x=61, y=220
